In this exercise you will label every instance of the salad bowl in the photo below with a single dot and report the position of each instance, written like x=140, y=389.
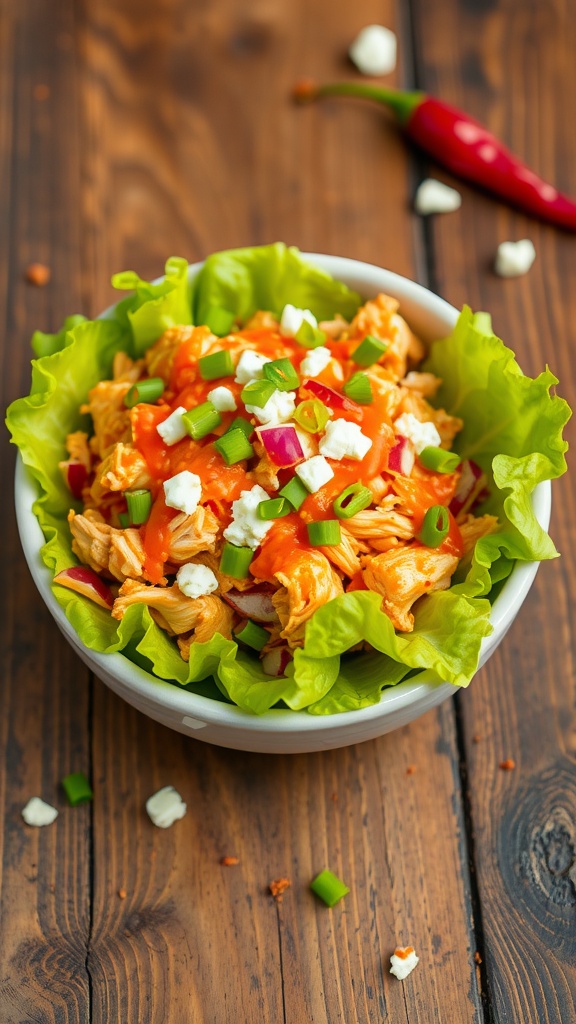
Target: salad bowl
x=281, y=730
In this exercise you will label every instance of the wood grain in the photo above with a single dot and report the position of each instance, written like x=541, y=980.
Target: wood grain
x=522, y=704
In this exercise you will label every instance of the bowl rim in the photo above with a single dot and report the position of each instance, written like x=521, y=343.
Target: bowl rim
x=169, y=696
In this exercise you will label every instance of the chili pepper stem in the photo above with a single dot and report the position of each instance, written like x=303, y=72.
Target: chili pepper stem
x=400, y=102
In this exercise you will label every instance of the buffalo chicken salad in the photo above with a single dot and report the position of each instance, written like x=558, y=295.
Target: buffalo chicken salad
x=293, y=497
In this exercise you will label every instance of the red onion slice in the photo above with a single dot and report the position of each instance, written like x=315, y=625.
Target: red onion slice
x=87, y=582
x=282, y=444
x=401, y=457
x=76, y=476
x=332, y=398
x=471, y=484
x=275, y=662
x=253, y=604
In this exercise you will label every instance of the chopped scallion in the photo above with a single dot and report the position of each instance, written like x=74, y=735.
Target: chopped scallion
x=234, y=446
x=217, y=364
x=369, y=351
x=258, y=392
x=219, y=320
x=435, y=526
x=329, y=888
x=282, y=374
x=252, y=635
x=235, y=561
x=241, y=424
x=274, y=508
x=359, y=389
x=124, y=520
x=77, y=788
x=295, y=492
x=324, y=533
x=309, y=336
x=139, y=505
x=312, y=415
x=352, y=500
x=148, y=391
x=202, y=420
x=439, y=460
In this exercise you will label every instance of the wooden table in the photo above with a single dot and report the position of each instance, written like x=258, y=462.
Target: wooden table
x=132, y=131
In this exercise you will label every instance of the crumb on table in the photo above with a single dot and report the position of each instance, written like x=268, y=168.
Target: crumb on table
x=229, y=862
x=38, y=274
x=508, y=765
x=278, y=887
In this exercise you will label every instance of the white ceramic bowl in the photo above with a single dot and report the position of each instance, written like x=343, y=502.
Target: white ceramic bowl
x=288, y=731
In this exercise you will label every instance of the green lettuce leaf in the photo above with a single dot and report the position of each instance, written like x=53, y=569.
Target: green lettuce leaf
x=512, y=428
x=267, y=277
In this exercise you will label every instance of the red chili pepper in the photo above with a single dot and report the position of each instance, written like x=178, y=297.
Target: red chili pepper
x=462, y=145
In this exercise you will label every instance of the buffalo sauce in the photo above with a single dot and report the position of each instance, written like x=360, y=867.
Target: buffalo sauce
x=156, y=538
x=286, y=538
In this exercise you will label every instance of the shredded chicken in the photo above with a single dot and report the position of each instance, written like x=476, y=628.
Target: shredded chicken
x=175, y=612
x=124, y=368
x=262, y=321
x=474, y=527
x=381, y=319
x=265, y=472
x=334, y=328
x=78, y=449
x=190, y=534
x=404, y=575
x=118, y=553
x=385, y=521
x=307, y=583
x=110, y=416
x=345, y=554
x=124, y=468
x=425, y=384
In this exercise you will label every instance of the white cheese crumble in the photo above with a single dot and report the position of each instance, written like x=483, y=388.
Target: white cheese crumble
x=249, y=367
x=183, y=491
x=39, y=813
x=172, y=429
x=344, y=440
x=314, y=473
x=403, y=962
x=374, y=50
x=222, y=399
x=435, y=197
x=421, y=434
x=279, y=408
x=247, y=530
x=315, y=361
x=514, y=258
x=165, y=807
x=292, y=319
x=196, y=580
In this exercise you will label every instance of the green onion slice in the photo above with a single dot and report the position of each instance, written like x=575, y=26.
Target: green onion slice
x=235, y=561
x=329, y=888
x=252, y=635
x=234, y=446
x=295, y=492
x=359, y=389
x=258, y=392
x=282, y=374
x=439, y=460
x=274, y=508
x=217, y=364
x=124, y=520
x=241, y=424
x=435, y=526
x=77, y=788
x=324, y=533
x=149, y=391
x=352, y=500
x=309, y=336
x=219, y=320
x=202, y=420
x=369, y=351
x=312, y=415
x=139, y=505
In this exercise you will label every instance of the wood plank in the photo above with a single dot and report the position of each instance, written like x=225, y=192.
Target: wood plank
x=522, y=705
x=44, y=873
x=190, y=145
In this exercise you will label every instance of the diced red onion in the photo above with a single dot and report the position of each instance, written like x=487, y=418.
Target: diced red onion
x=84, y=580
x=401, y=457
x=255, y=603
x=282, y=444
x=332, y=398
x=471, y=484
x=275, y=662
x=76, y=476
